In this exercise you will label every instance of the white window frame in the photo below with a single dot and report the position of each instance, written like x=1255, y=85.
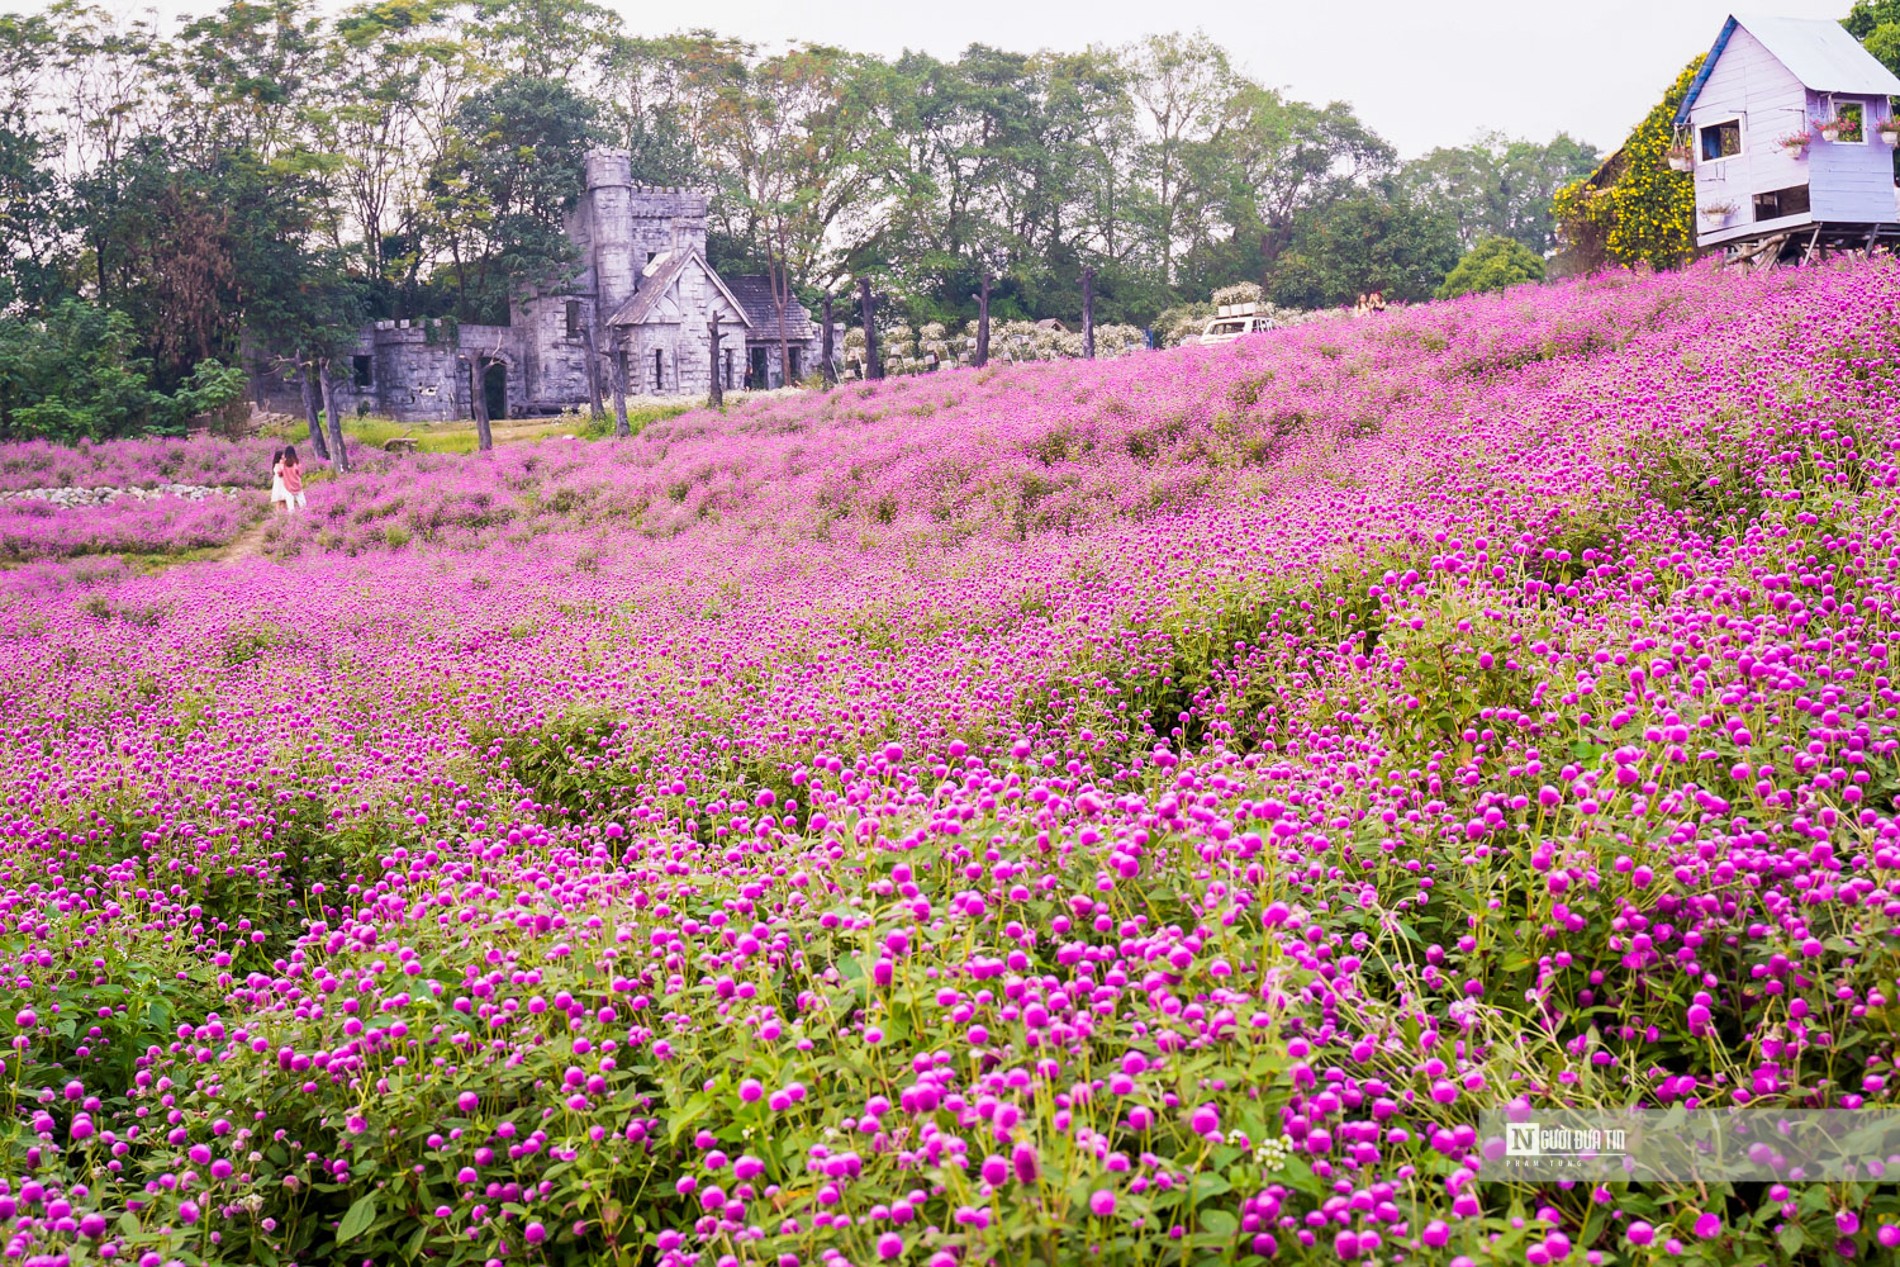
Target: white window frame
x=1866, y=117
x=1741, y=132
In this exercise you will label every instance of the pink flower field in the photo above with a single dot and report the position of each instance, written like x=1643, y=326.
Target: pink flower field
x=1135, y=813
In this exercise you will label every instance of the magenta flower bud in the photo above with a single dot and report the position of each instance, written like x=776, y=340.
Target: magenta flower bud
x=1640, y=1233
x=1026, y=1164
x=995, y=1170
x=889, y=1246
x=1102, y=1203
x=1708, y=1226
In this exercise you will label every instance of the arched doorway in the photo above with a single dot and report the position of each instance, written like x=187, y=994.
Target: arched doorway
x=495, y=389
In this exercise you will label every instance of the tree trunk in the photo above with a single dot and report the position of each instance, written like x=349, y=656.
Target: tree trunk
x=868, y=303
x=718, y=395
x=1088, y=313
x=983, y=322
x=330, y=414
x=307, y=374
x=593, y=372
x=478, y=401
x=617, y=375
x=827, y=354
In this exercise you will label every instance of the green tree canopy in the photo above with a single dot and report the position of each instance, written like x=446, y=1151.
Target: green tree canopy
x=1501, y=187
x=75, y=374
x=1876, y=24
x=1493, y=264
x=1382, y=240
x=512, y=168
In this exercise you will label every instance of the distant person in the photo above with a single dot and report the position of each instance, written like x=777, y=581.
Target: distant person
x=277, y=493
x=291, y=473
x=1375, y=302
x=1359, y=306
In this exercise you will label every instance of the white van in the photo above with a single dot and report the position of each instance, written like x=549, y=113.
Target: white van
x=1234, y=320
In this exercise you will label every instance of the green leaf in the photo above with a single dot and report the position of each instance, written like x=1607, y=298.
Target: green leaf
x=1209, y=1185
x=128, y=1225
x=357, y=1220
x=1220, y=1222
x=1791, y=1237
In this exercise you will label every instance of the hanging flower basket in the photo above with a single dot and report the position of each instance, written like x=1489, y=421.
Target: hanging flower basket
x=1717, y=214
x=1680, y=159
x=1797, y=143
x=1831, y=131
x=1890, y=133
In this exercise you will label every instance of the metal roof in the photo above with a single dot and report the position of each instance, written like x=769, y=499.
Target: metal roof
x=1819, y=53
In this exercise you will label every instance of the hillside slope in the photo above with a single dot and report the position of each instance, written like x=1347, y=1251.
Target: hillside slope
x=1133, y=813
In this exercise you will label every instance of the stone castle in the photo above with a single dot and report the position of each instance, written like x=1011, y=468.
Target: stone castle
x=642, y=294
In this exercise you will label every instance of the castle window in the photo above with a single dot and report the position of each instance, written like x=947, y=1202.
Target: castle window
x=573, y=318
x=798, y=368
x=363, y=370
x=729, y=366
x=658, y=384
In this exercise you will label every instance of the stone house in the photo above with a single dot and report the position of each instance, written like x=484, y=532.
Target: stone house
x=642, y=293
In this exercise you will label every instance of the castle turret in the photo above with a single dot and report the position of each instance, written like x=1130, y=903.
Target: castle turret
x=610, y=248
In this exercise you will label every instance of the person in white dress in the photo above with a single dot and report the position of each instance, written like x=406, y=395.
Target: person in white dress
x=278, y=493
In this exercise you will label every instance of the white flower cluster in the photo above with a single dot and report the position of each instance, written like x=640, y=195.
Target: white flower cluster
x=906, y=351
x=1271, y=1154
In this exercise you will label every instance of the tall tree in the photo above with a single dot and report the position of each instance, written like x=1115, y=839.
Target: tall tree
x=1497, y=187
x=1181, y=87
x=1378, y=240
x=807, y=146
x=512, y=169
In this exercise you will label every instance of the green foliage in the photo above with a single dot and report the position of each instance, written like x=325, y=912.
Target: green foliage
x=1382, y=241
x=1876, y=24
x=1500, y=187
x=75, y=374
x=1493, y=264
x=499, y=195
x=1633, y=209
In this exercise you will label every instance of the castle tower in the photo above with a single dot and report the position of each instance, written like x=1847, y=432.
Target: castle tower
x=609, y=248
x=664, y=220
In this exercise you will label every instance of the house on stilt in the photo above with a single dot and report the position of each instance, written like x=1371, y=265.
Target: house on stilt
x=1790, y=131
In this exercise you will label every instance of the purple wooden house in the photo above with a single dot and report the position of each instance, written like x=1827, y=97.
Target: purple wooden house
x=1789, y=128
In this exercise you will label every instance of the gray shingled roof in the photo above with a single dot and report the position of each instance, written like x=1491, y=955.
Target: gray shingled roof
x=755, y=294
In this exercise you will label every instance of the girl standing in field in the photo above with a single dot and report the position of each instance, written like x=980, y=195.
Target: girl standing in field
x=292, y=474
x=277, y=476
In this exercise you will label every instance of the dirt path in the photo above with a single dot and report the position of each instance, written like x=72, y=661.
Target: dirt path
x=248, y=544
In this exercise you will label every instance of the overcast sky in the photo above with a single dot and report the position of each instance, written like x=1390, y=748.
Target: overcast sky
x=1422, y=72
